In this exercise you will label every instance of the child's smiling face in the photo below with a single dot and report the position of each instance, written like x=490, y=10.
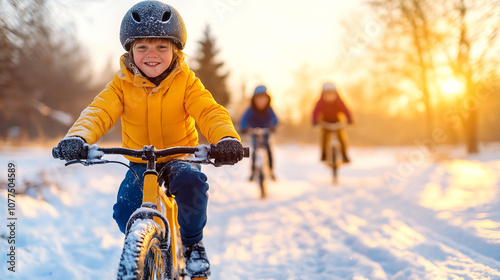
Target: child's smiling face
x=152, y=57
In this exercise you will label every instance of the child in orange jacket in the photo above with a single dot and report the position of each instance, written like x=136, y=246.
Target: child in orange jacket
x=159, y=99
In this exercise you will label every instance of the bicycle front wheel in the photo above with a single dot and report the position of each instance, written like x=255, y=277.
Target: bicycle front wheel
x=141, y=257
x=335, y=164
x=262, y=184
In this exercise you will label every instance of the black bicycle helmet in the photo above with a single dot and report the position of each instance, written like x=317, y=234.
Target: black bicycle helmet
x=152, y=19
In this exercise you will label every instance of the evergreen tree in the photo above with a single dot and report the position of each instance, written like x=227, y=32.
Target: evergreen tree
x=209, y=70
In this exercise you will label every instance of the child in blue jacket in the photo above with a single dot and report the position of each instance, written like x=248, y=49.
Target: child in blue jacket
x=260, y=115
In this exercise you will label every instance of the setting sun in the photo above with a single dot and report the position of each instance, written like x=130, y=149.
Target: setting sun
x=452, y=87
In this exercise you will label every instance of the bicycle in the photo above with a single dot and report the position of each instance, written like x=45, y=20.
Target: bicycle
x=258, y=135
x=152, y=247
x=333, y=159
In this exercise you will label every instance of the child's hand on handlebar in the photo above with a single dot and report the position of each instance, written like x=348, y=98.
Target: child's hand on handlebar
x=227, y=151
x=71, y=148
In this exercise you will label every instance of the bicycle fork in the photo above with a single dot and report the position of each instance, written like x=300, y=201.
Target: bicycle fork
x=162, y=210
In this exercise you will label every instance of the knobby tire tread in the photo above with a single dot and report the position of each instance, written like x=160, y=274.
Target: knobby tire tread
x=144, y=235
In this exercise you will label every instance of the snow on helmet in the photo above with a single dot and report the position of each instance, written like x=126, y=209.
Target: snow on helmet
x=260, y=90
x=329, y=87
x=152, y=19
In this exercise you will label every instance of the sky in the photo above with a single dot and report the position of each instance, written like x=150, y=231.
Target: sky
x=260, y=42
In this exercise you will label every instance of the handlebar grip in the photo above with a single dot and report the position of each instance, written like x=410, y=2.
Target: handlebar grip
x=214, y=151
x=56, y=153
x=85, y=151
x=246, y=151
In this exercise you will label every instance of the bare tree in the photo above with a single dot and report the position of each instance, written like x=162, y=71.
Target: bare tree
x=44, y=77
x=416, y=35
x=476, y=56
x=408, y=44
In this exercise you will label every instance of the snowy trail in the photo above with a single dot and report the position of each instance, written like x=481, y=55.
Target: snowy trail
x=440, y=221
x=360, y=229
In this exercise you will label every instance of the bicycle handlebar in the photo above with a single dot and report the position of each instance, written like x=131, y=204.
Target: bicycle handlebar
x=332, y=126
x=260, y=130
x=202, y=151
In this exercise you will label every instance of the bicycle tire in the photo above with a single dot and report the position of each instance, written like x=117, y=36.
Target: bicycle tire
x=262, y=184
x=335, y=165
x=141, y=257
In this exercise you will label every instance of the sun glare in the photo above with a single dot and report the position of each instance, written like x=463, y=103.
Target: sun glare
x=452, y=87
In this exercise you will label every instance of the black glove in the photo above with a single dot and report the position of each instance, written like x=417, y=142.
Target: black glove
x=228, y=151
x=71, y=148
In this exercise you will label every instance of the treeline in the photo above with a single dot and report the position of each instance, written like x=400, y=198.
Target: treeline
x=392, y=70
x=45, y=78
x=414, y=71
x=432, y=65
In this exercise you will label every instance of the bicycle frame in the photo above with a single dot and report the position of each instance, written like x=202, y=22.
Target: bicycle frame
x=154, y=195
x=162, y=209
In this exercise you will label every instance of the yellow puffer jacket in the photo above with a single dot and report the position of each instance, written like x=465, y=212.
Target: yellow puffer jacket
x=163, y=116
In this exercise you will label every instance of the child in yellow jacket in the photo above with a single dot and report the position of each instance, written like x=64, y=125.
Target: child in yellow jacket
x=158, y=99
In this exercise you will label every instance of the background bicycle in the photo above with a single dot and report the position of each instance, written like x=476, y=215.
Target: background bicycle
x=334, y=157
x=261, y=155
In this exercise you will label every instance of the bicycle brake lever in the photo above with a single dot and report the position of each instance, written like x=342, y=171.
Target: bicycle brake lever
x=199, y=161
x=86, y=162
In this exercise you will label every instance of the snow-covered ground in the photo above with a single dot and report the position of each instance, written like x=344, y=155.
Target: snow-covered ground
x=397, y=213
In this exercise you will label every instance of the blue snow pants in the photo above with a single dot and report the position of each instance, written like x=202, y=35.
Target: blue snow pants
x=188, y=185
